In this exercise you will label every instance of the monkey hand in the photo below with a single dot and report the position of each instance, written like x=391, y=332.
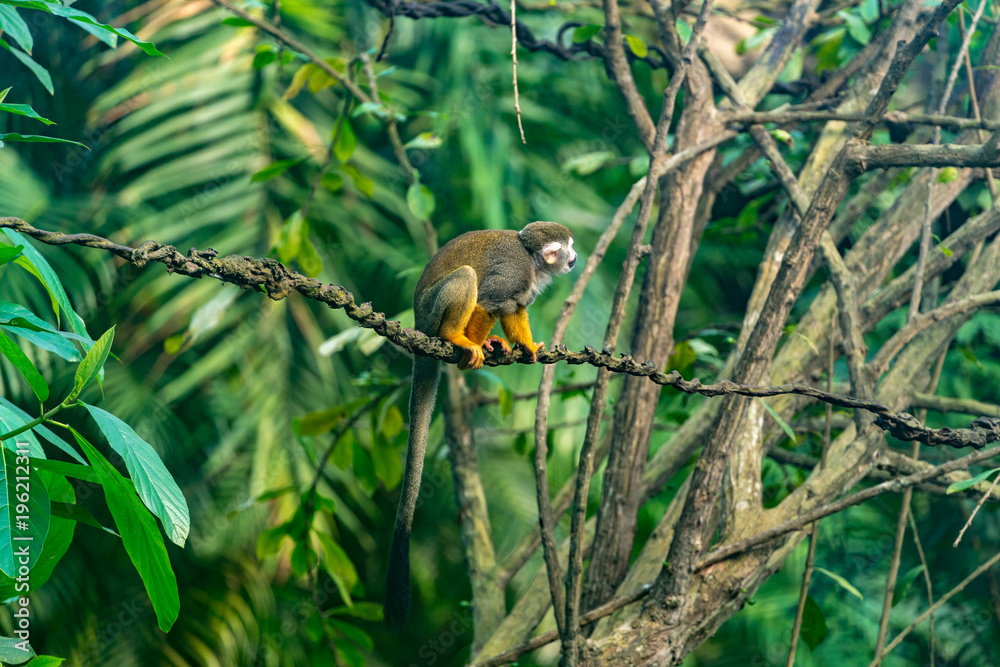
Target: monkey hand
x=473, y=359
x=504, y=345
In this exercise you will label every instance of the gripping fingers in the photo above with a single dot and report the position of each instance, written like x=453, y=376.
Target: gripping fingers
x=534, y=349
x=504, y=346
x=473, y=359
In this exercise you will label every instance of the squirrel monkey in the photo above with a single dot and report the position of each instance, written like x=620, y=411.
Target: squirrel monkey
x=471, y=282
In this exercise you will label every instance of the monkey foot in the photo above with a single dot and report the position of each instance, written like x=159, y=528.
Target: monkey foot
x=504, y=345
x=473, y=359
x=534, y=349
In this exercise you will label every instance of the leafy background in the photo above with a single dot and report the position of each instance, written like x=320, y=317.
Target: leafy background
x=215, y=379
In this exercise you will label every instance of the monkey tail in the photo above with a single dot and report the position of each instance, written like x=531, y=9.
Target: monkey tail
x=426, y=373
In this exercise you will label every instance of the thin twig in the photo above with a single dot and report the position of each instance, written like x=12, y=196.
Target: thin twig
x=513, y=57
x=927, y=579
x=972, y=516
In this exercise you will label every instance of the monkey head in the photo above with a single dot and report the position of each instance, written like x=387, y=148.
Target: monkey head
x=551, y=244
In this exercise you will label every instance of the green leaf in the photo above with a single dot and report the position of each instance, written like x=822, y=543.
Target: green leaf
x=37, y=139
x=904, y=583
x=57, y=540
x=85, y=472
x=153, y=482
x=24, y=513
x=332, y=182
x=585, y=33
x=427, y=140
x=78, y=514
x=385, y=458
x=93, y=363
x=12, y=24
x=781, y=422
x=40, y=72
x=338, y=566
x=637, y=45
x=844, y=583
x=420, y=199
x=237, y=22
x=506, y=401
x=142, y=540
x=392, y=422
x=856, y=27
x=82, y=17
x=24, y=109
x=21, y=321
x=587, y=163
x=323, y=421
x=12, y=417
x=40, y=268
x=683, y=31
x=308, y=258
x=964, y=484
x=264, y=58
x=46, y=661
x=366, y=611
x=24, y=366
x=274, y=169
x=363, y=184
x=784, y=136
x=813, y=630
x=947, y=175
x=15, y=651
x=346, y=143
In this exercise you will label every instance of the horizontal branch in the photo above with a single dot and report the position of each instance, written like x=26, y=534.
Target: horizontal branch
x=278, y=281
x=923, y=155
x=793, y=115
x=894, y=485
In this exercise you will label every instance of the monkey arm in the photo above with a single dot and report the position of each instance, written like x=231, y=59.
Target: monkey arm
x=518, y=330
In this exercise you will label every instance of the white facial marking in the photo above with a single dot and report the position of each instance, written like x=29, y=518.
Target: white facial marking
x=550, y=252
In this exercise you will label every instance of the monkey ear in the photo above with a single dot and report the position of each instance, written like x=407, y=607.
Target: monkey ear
x=550, y=252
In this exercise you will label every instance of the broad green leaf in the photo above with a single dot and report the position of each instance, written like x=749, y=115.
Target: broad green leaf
x=21, y=321
x=346, y=142
x=142, y=540
x=82, y=17
x=12, y=417
x=637, y=45
x=947, y=175
x=844, y=583
x=856, y=27
x=93, y=363
x=59, y=537
x=37, y=139
x=309, y=260
x=40, y=72
x=24, y=514
x=366, y=611
x=106, y=36
x=585, y=32
x=275, y=169
x=44, y=272
x=264, y=58
x=964, y=484
x=813, y=630
x=24, y=366
x=46, y=661
x=85, y=472
x=420, y=199
x=79, y=514
x=354, y=633
x=339, y=567
x=385, y=458
x=904, y=583
x=332, y=182
x=23, y=109
x=153, y=482
x=15, y=651
x=317, y=423
x=364, y=184
x=427, y=140
x=237, y=22
x=12, y=24
x=587, y=163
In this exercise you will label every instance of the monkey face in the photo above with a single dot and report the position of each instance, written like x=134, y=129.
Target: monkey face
x=559, y=256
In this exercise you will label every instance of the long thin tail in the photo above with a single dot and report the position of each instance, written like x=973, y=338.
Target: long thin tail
x=426, y=373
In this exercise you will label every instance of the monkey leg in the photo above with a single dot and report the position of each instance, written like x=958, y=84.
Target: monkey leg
x=455, y=302
x=518, y=331
x=478, y=329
